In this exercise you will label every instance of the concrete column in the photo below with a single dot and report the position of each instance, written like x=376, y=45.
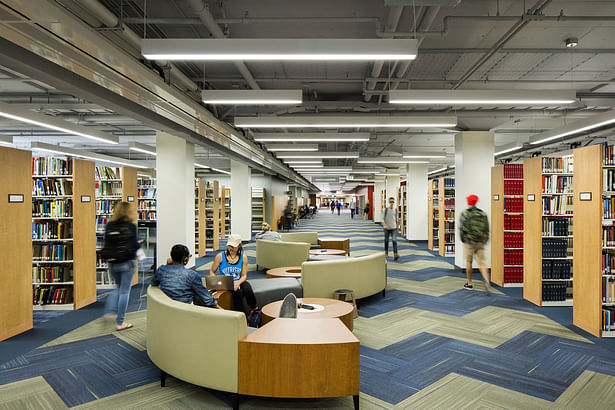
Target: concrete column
x=378, y=187
x=473, y=162
x=392, y=184
x=241, y=194
x=416, y=202
x=174, y=195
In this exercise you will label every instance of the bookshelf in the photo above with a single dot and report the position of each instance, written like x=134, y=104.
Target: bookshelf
x=507, y=225
x=258, y=208
x=401, y=208
x=594, y=264
x=547, y=226
x=16, y=241
x=212, y=215
x=434, y=215
x=225, y=211
x=63, y=233
x=447, y=217
x=146, y=202
x=200, y=231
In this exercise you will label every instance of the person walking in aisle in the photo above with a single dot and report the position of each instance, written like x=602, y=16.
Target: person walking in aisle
x=366, y=211
x=474, y=233
x=332, y=206
x=353, y=206
x=339, y=207
x=389, y=223
x=120, y=251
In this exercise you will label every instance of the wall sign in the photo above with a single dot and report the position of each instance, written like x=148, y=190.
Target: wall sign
x=15, y=198
x=131, y=199
x=585, y=196
x=496, y=197
x=86, y=198
x=531, y=197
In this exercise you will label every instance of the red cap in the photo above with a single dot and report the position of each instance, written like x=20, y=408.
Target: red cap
x=472, y=199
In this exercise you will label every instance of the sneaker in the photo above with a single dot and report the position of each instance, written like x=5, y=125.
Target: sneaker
x=396, y=256
x=386, y=254
x=466, y=286
x=289, y=306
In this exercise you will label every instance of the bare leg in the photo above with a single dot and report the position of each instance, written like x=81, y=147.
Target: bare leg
x=485, y=274
x=469, y=272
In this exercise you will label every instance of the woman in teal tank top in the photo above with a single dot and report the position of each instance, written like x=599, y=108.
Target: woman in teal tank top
x=233, y=262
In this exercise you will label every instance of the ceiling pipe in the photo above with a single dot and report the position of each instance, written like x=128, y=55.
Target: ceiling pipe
x=110, y=20
x=257, y=20
x=202, y=11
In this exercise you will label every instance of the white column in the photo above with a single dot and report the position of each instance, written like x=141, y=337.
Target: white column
x=473, y=162
x=392, y=184
x=376, y=206
x=174, y=195
x=416, y=202
x=241, y=193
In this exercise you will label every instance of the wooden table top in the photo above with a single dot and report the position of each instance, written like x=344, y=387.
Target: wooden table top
x=332, y=308
x=316, y=252
x=302, y=332
x=285, y=272
x=333, y=239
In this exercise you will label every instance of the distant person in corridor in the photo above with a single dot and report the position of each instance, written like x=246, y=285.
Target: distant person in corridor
x=352, y=207
x=389, y=222
x=332, y=203
x=474, y=233
x=339, y=207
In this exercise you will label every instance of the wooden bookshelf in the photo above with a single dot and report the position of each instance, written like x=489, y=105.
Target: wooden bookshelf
x=146, y=201
x=401, y=208
x=225, y=211
x=497, y=225
x=257, y=208
x=130, y=195
x=278, y=205
x=429, y=215
x=201, y=238
x=535, y=218
x=447, y=217
x=212, y=215
x=16, y=242
x=588, y=268
x=434, y=220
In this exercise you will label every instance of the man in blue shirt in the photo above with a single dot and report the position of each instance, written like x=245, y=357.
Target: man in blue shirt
x=180, y=283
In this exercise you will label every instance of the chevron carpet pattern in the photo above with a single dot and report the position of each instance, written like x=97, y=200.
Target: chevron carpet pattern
x=427, y=344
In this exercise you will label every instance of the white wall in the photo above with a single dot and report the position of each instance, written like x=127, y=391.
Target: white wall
x=378, y=187
x=241, y=196
x=278, y=187
x=416, y=202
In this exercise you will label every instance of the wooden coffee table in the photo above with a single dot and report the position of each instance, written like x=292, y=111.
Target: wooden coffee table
x=335, y=243
x=285, y=272
x=317, y=252
x=331, y=308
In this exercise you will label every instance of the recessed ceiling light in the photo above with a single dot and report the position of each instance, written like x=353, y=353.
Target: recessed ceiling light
x=251, y=97
x=482, y=97
x=348, y=121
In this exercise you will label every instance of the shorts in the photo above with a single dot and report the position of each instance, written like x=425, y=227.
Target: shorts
x=472, y=249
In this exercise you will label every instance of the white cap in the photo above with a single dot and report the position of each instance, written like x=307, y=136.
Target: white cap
x=234, y=240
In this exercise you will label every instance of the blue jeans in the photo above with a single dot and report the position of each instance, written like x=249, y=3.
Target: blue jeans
x=117, y=301
x=391, y=233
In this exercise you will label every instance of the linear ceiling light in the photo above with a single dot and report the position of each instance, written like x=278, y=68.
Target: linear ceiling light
x=221, y=171
x=303, y=155
x=312, y=137
x=6, y=139
x=437, y=170
x=137, y=146
x=296, y=162
x=508, y=148
x=482, y=97
x=389, y=161
x=576, y=127
x=303, y=166
x=292, y=147
x=196, y=164
x=47, y=121
x=251, y=97
x=41, y=146
x=332, y=169
x=347, y=121
x=246, y=49
x=423, y=155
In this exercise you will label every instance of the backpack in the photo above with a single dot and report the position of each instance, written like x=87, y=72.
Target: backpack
x=474, y=226
x=118, y=245
x=255, y=318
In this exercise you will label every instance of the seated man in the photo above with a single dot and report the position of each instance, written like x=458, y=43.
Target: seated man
x=268, y=234
x=180, y=283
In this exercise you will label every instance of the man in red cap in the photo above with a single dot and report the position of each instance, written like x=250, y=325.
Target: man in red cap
x=474, y=230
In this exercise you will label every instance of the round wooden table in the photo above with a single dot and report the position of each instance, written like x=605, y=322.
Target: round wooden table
x=285, y=272
x=317, y=252
x=331, y=308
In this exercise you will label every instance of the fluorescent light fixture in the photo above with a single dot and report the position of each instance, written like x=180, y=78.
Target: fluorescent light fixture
x=196, y=164
x=508, y=148
x=41, y=146
x=251, y=97
x=293, y=162
x=292, y=147
x=328, y=155
x=347, y=121
x=482, y=97
x=423, y=155
x=145, y=175
x=263, y=49
x=437, y=170
x=221, y=171
x=324, y=180
x=577, y=127
x=304, y=166
x=388, y=175
x=53, y=123
x=137, y=146
x=312, y=137
x=389, y=160
x=6, y=139
x=340, y=169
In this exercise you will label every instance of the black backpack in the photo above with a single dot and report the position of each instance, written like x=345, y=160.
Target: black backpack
x=118, y=243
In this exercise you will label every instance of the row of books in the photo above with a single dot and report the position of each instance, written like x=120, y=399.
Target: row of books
x=108, y=188
x=56, y=208
x=449, y=226
x=435, y=243
x=103, y=173
x=103, y=277
x=513, y=171
x=434, y=185
x=608, y=318
x=513, y=275
x=47, y=166
x=100, y=262
x=101, y=221
x=554, y=292
x=554, y=248
x=449, y=204
x=436, y=223
x=50, y=187
x=147, y=204
x=513, y=239
x=449, y=214
x=608, y=179
x=608, y=262
x=436, y=202
x=52, y=252
x=556, y=269
x=436, y=214
x=449, y=238
x=513, y=257
x=608, y=154
x=449, y=250
x=608, y=236
x=513, y=204
x=99, y=242
x=513, y=222
x=51, y=230
x=449, y=182
x=146, y=193
x=51, y=274
x=104, y=206
x=556, y=184
x=555, y=227
x=608, y=208
x=51, y=295
x=513, y=187
x=146, y=183
x=557, y=205
x=608, y=290
x=557, y=164
x=147, y=216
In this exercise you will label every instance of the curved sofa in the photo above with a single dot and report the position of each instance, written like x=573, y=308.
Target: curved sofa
x=276, y=254
x=185, y=340
x=365, y=275
x=309, y=237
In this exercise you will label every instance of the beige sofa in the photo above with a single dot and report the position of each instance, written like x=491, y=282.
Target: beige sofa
x=275, y=254
x=309, y=237
x=365, y=275
x=190, y=342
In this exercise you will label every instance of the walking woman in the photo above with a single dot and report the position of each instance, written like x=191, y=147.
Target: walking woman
x=120, y=250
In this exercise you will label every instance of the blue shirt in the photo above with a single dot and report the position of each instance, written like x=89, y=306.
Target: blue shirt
x=229, y=269
x=182, y=284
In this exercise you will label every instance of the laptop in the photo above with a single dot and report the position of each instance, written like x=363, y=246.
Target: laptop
x=219, y=282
